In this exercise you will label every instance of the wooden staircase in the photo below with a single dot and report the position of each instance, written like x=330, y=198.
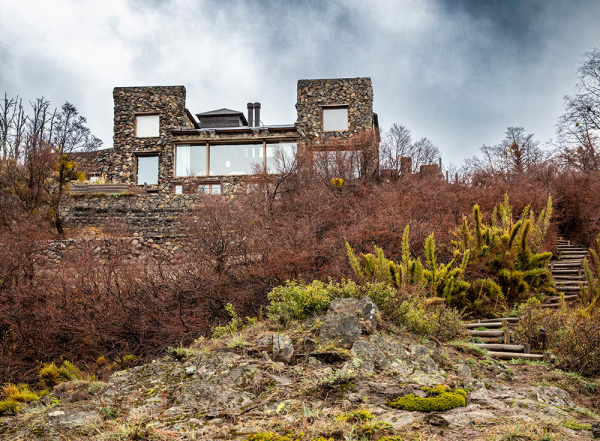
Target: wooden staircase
x=567, y=271
x=497, y=339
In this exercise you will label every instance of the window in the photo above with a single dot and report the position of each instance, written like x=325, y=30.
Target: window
x=191, y=160
x=209, y=188
x=280, y=156
x=178, y=188
x=335, y=119
x=337, y=163
x=94, y=178
x=147, y=126
x=236, y=159
x=147, y=170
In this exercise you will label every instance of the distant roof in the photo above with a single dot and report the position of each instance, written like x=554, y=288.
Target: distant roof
x=220, y=112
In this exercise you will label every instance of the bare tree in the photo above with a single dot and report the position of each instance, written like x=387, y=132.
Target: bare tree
x=517, y=153
x=579, y=127
x=397, y=144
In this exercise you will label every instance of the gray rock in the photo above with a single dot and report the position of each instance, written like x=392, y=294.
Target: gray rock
x=347, y=319
x=464, y=371
x=284, y=381
x=283, y=349
x=554, y=396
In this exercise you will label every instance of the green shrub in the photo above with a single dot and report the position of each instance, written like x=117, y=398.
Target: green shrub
x=179, y=353
x=110, y=412
x=51, y=375
x=577, y=426
x=430, y=317
x=293, y=301
x=235, y=324
x=439, y=398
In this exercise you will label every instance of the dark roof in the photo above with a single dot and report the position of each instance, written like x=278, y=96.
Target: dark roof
x=220, y=112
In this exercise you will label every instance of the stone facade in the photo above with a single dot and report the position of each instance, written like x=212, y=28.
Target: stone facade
x=314, y=95
x=166, y=101
x=178, y=126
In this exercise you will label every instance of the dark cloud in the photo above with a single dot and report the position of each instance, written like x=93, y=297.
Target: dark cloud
x=456, y=71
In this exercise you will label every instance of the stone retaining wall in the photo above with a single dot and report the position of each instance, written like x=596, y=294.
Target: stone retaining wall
x=147, y=215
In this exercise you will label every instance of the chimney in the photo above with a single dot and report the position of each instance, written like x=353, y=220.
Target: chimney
x=256, y=114
x=250, y=114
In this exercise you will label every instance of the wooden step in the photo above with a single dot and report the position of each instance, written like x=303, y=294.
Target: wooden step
x=555, y=305
x=557, y=298
x=501, y=319
x=491, y=339
x=486, y=324
x=509, y=355
x=486, y=333
x=500, y=347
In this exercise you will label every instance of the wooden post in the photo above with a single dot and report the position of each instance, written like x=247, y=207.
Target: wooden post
x=527, y=348
x=543, y=339
x=506, y=332
x=547, y=357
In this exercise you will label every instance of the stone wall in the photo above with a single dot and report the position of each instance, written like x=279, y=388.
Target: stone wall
x=169, y=103
x=128, y=249
x=313, y=95
x=146, y=215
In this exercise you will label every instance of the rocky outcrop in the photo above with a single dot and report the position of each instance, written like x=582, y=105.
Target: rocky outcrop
x=228, y=393
x=347, y=319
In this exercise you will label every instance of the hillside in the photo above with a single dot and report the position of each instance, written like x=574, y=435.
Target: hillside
x=339, y=375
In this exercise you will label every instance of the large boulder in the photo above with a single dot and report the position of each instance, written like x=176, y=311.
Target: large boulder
x=347, y=319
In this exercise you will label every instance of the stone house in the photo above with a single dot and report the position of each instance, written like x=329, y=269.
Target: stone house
x=161, y=147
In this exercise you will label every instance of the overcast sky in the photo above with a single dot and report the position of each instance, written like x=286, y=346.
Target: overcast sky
x=456, y=71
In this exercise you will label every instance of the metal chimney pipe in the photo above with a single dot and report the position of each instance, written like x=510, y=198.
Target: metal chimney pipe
x=257, y=114
x=250, y=114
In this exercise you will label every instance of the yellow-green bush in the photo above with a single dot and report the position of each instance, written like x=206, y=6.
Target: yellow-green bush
x=440, y=398
x=9, y=406
x=295, y=301
x=355, y=416
x=51, y=375
x=271, y=436
x=15, y=396
x=19, y=392
x=430, y=317
x=235, y=324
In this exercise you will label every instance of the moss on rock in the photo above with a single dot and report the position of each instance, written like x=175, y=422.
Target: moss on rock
x=440, y=398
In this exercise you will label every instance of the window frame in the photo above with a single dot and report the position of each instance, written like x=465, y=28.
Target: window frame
x=334, y=107
x=137, y=156
x=210, y=185
x=135, y=124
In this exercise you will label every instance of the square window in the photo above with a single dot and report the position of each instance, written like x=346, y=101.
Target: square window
x=335, y=119
x=147, y=170
x=191, y=160
x=209, y=188
x=147, y=126
x=178, y=189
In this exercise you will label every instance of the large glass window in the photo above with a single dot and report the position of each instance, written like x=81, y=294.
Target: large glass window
x=191, y=160
x=280, y=156
x=335, y=119
x=235, y=159
x=147, y=126
x=147, y=170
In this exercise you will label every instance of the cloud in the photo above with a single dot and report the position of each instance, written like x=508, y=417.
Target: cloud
x=456, y=71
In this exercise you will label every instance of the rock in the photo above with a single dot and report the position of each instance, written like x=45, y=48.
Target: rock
x=436, y=420
x=399, y=419
x=284, y=381
x=553, y=396
x=464, y=371
x=596, y=429
x=309, y=345
x=283, y=349
x=347, y=319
